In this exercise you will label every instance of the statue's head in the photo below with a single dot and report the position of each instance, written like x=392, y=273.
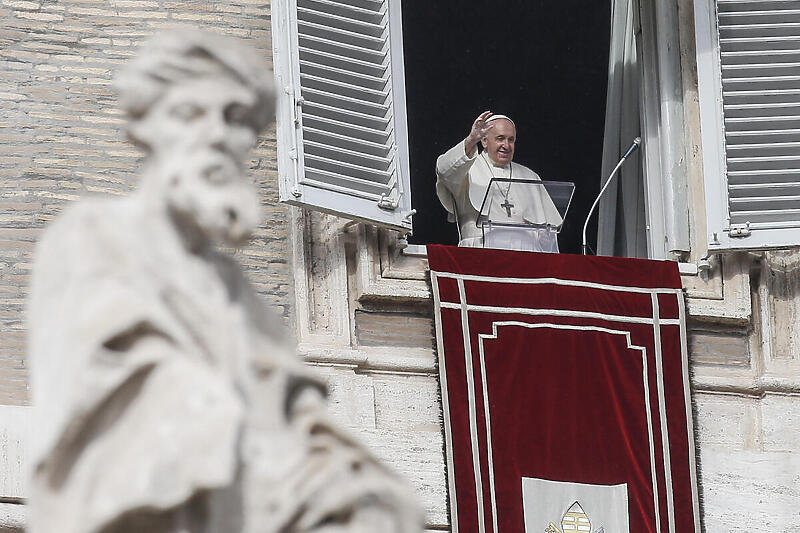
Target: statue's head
x=196, y=103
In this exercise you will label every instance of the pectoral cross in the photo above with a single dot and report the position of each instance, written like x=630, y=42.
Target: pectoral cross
x=507, y=206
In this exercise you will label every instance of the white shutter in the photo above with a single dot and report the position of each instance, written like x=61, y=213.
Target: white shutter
x=342, y=141
x=748, y=54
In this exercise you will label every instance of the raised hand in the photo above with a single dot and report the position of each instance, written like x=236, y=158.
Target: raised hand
x=477, y=132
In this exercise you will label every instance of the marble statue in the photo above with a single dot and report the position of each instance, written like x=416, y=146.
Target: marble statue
x=167, y=397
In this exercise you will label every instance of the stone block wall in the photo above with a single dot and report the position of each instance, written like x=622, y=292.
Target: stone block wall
x=61, y=136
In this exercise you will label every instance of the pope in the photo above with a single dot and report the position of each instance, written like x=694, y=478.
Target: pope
x=463, y=177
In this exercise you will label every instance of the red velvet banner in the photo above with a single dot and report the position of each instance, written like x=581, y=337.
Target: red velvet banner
x=566, y=393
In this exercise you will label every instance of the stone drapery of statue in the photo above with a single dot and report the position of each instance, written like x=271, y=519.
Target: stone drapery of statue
x=167, y=397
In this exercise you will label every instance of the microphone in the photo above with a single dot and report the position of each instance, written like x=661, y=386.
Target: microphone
x=632, y=148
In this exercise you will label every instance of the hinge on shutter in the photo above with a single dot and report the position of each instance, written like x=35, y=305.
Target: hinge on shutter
x=389, y=201
x=298, y=105
x=740, y=231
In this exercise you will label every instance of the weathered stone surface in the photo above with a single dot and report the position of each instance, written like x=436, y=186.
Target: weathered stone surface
x=399, y=416
x=393, y=329
x=12, y=517
x=782, y=273
x=728, y=421
x=726, y=347
x=746, y=491
x=15, y=433
x=780, y=420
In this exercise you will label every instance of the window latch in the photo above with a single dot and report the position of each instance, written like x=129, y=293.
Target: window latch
x=389, y=201
x=740, y=231
x=298, y=108
x=410, y=214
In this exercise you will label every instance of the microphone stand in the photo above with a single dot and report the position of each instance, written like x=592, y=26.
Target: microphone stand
x=632, y=148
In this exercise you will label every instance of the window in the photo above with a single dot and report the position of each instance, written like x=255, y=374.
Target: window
x=545, y=64
x=342, y=142
x=749, y=89
x=331, y=55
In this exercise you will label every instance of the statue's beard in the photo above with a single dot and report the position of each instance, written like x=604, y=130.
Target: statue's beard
x=212, y=199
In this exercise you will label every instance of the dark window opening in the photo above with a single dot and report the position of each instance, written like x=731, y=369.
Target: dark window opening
x=543, y=63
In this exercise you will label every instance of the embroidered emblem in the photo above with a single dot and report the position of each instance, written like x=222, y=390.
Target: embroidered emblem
x=574, y=520
x=569, y=507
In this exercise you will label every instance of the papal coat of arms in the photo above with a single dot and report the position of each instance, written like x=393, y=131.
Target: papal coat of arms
x=551, y=506
x=574, y=520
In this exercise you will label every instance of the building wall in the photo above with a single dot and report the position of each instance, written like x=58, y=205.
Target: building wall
x=60, y=136
x=61, y=139
x=362, y=311
x=746, y=394
x=744, y=358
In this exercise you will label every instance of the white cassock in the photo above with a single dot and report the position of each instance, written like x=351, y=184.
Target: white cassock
x=462, y=183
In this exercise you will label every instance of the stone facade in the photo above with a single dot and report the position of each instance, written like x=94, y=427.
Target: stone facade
x=60, y=136
x=362, y=309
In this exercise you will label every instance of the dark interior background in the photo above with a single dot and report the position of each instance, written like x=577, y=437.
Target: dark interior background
x=544, y=63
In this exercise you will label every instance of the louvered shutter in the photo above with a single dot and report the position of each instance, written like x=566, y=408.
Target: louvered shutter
x=342, y=141
x=749, y=81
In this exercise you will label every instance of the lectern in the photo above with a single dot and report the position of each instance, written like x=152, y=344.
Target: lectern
x=523, y=214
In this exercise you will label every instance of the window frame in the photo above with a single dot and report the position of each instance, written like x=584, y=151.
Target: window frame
x=720, y=234
x=394, y=211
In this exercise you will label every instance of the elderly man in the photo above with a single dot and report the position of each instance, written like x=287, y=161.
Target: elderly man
x=463, y=177
x=168, y=399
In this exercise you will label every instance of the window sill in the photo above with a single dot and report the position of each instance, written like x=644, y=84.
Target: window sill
x=403, y=277
x=419, y=250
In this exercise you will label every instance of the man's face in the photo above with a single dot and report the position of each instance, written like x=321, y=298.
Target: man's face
x=199, y=135
x=499, y=142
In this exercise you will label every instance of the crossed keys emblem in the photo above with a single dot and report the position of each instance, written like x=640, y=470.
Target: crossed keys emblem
x=574, y=520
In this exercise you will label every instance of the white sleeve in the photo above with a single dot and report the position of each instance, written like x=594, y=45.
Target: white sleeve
x=453, y=165
x=452, y=168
